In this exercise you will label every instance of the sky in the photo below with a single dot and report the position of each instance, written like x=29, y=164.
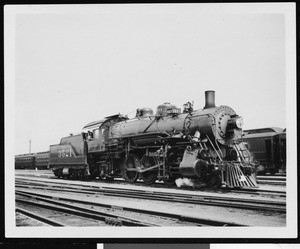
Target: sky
x=76, y=64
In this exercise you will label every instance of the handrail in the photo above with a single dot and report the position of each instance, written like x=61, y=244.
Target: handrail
x=214, y=148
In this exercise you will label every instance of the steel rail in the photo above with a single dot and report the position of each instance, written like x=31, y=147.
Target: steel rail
x=246, y=191
x=78, y=211
x=39, y=217
x=250, y=191
x=275, y=178
x=257, y=191
x=271, y=182
x=162, y=195
x=190, y=199
x=158, y=195
x=196, y=220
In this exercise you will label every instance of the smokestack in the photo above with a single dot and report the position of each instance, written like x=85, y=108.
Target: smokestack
x=209, y=99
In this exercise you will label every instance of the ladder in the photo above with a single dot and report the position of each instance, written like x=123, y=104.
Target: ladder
x=161, y=167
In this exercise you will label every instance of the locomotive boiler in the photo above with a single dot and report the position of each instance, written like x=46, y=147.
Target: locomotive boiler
x=203, y=145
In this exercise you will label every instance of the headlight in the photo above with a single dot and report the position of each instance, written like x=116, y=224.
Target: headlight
x=239, y=122
x=235, y=123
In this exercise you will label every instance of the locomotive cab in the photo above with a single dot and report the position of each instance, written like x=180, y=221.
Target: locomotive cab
x=100, y=132
x=95, y=135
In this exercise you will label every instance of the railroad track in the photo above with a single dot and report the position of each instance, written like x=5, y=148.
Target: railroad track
x=37, y=217
x=100, y=214
x=258, y=192
x=275, y=178
x=266, y=180
x=271, y=180
x=264, y=204
x=251, y=191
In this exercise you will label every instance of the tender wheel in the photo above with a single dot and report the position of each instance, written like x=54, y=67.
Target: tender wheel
x=59, y=173
x=128, y=174
x=80, y=174
x=150, y=176
x=215, y=181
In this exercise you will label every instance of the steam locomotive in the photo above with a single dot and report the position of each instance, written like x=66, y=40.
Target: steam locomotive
x=203, y=145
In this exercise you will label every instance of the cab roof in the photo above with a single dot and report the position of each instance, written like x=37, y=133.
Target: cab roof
x=94, y=123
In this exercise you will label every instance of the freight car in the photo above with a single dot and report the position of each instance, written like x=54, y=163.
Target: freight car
x=268, y=146
x=38, y=160
x=201, y=145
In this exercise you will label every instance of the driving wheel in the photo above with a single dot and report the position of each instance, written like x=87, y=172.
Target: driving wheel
x=130, y=174
x=149, y=176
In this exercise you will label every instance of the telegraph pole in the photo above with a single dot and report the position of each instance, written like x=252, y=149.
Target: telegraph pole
x=29, y=145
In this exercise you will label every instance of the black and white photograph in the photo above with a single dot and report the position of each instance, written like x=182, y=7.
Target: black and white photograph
x=150, y=121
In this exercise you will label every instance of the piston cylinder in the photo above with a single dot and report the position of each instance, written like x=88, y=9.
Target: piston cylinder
x=191, y=166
